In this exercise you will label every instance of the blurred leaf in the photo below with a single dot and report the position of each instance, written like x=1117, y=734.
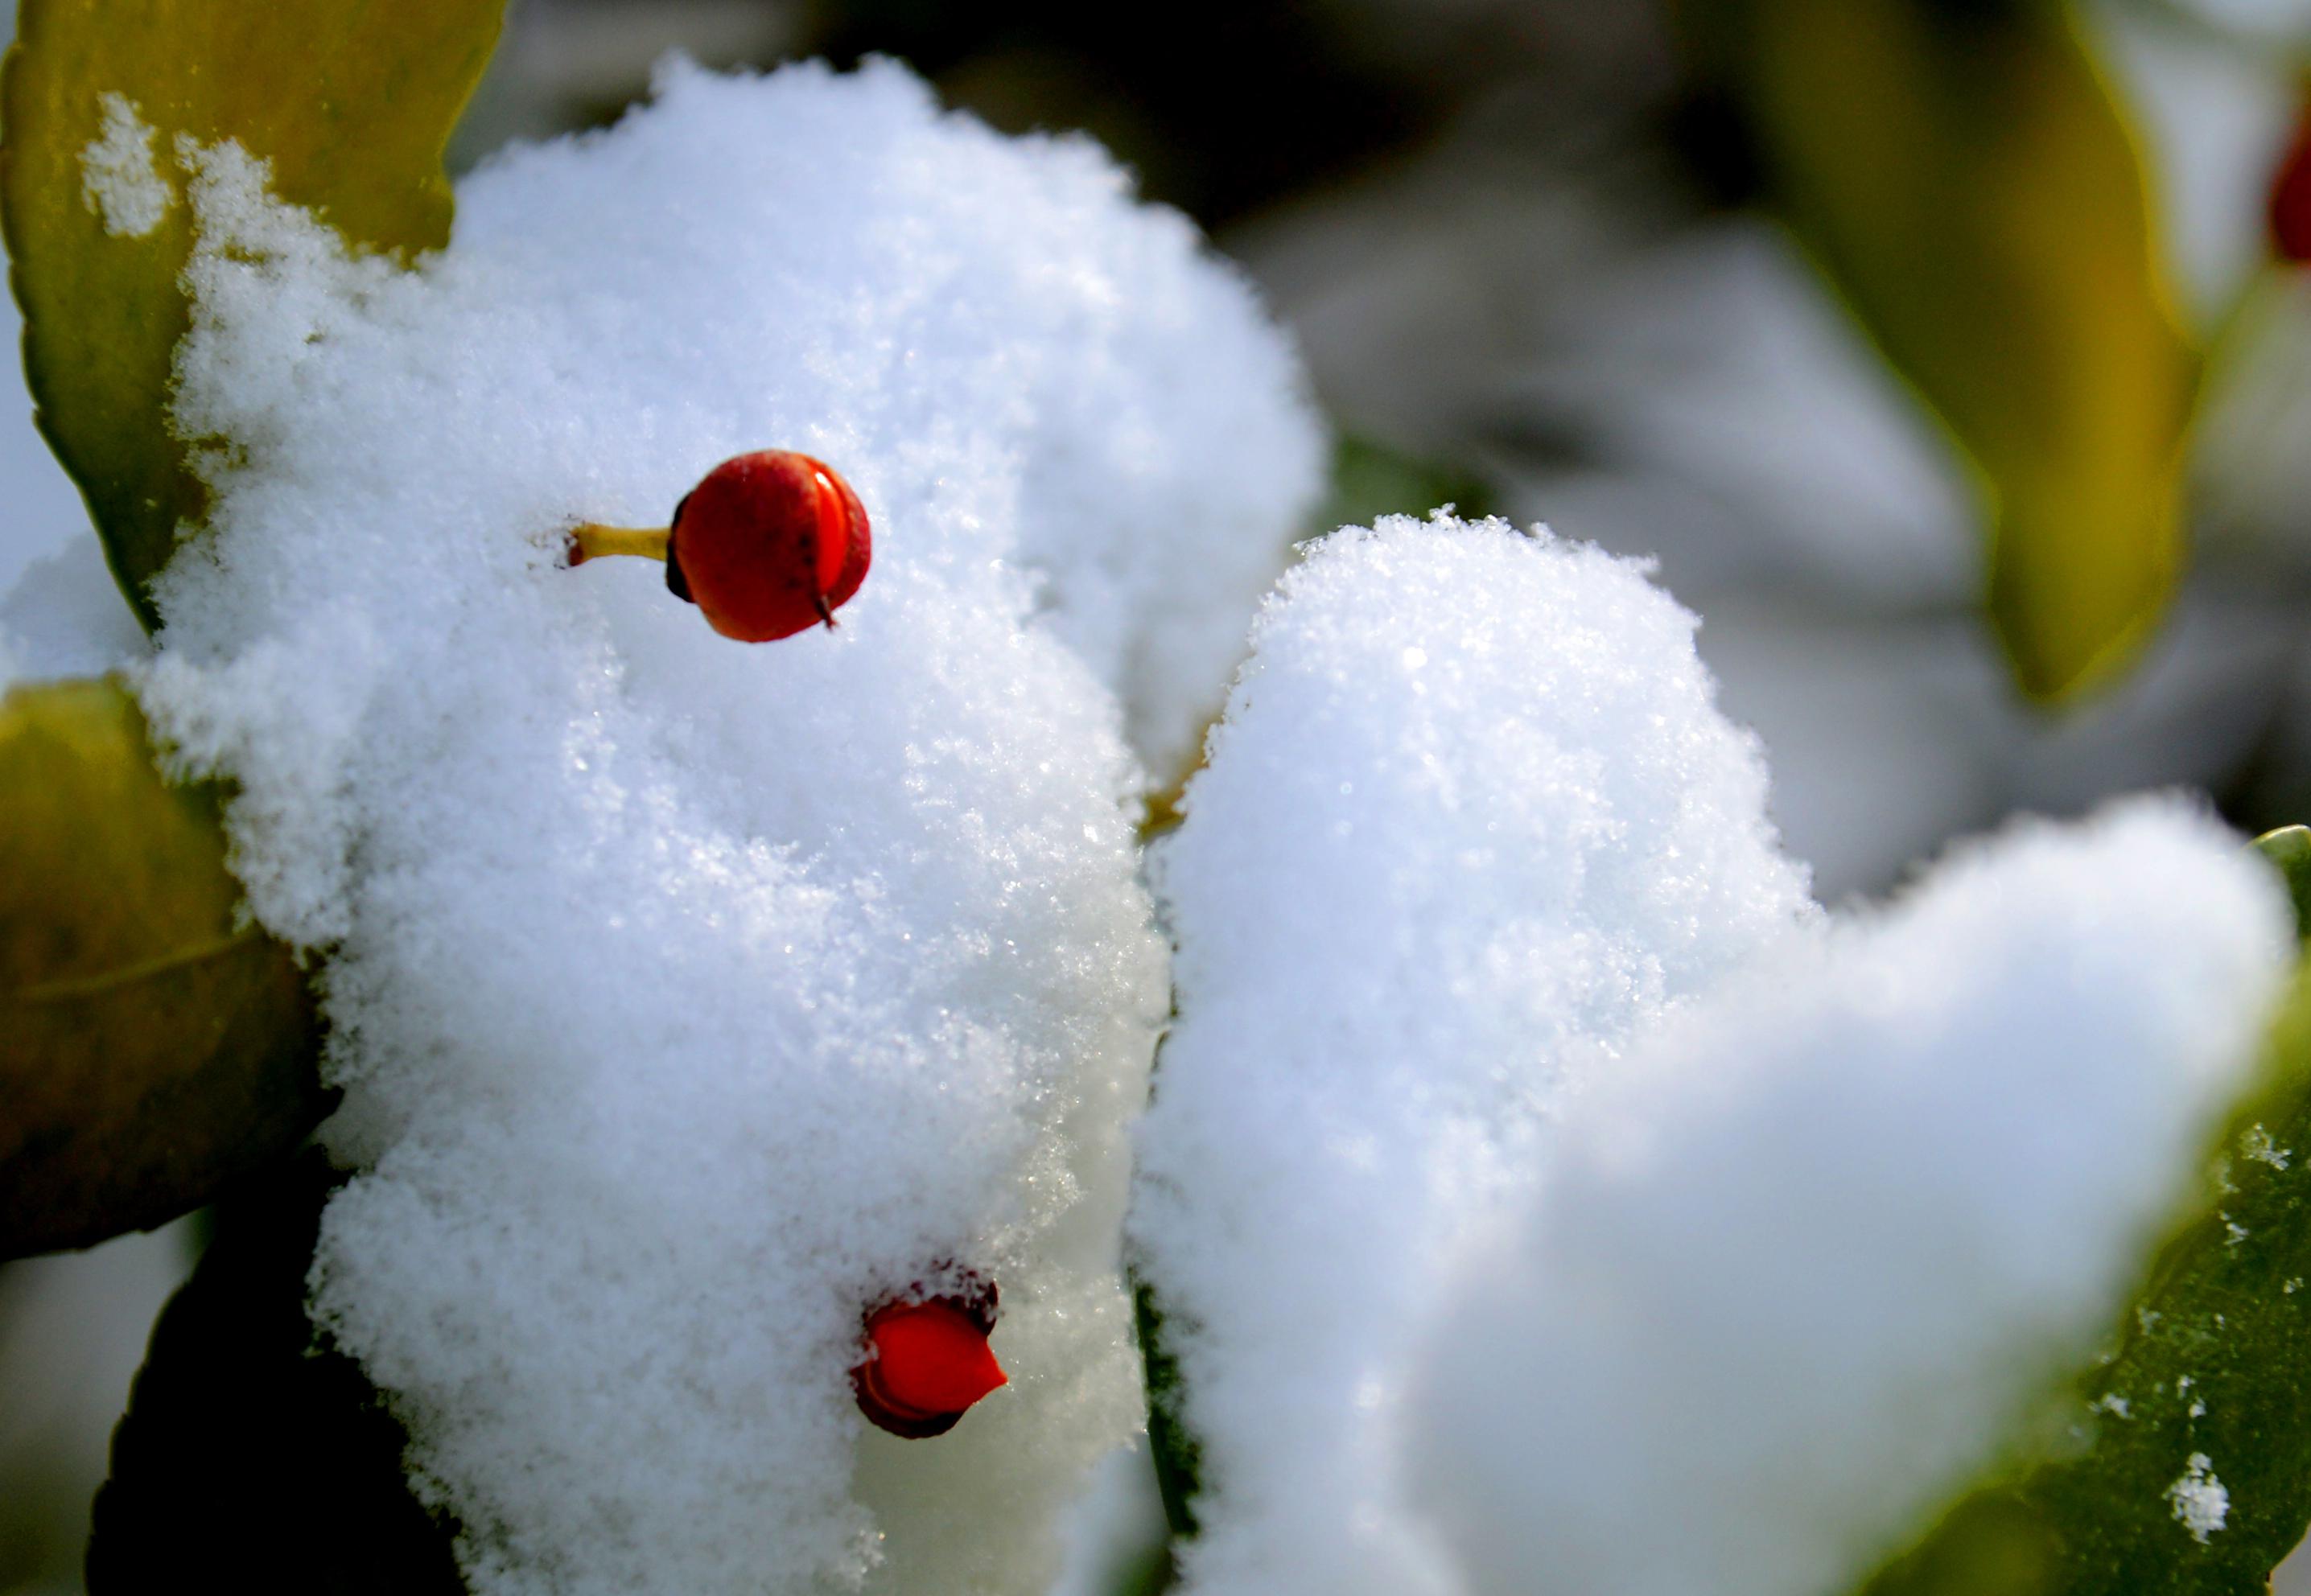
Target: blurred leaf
x=1960, y=171
x=1151, y=1574
x=1370, y=480
x=151, y=1048
x=351, y=101
x=250, y=1458
x=1169, y=1441
x=2207, y=1379
x=2289, y=848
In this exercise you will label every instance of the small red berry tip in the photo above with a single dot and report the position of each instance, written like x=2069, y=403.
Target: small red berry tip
x=928, y=1362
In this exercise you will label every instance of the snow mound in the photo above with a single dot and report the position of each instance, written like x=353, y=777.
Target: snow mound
x=688, y=996
x=1794, y=1268
x=64, y=617
x=1472, y=823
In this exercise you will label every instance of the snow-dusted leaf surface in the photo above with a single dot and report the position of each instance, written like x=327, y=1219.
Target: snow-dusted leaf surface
x=689, y=996
x=1471, y=824
x=351, y=102
x=2179, y=1458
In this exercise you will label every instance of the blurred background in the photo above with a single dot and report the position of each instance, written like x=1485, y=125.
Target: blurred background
x=1587, y=264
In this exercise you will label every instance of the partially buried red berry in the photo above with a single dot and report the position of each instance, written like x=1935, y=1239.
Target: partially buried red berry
x=2291, y=198
x=769, y=544
x=928, y=1362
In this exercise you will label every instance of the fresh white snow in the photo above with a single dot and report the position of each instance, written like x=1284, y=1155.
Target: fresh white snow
x=1471, y=823
x=2199, y=1499
x=1544, y=1194
x=120, y=182
x=690, y=996
x=1793, y=1268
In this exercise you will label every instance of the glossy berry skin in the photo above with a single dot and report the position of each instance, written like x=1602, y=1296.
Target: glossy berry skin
x=768, y=545
x=930, y=1363
x=2290, y=199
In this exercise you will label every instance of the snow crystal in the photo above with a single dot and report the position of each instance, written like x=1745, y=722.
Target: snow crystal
x=1794, y=1268
x=2199, y=1499
x=2256, y=1144
x=691, y=996
x=1471, y=815
x=119, y=179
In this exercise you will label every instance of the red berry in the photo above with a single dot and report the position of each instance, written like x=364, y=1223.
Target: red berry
x=929, y=1361
x=2290, y=199
x=768, y=545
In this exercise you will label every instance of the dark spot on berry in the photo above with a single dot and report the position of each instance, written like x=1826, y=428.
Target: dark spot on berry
x=676, y=583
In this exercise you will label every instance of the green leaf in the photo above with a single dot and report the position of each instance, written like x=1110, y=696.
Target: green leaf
x=1960, y=169
x=1175, y=1448
x=2206, y=1378
x=2290, y=849
x=253, y=1457
x=352, y=101
x=152, y=1046
x=1370, y=479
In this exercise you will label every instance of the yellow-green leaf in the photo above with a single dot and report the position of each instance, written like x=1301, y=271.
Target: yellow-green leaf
x=1962, y=172
x=2289, y=849
x=2205, y=1387
x=152, y=1046
x=351, y=101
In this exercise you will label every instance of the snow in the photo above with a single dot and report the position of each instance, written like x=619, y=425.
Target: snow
x=120, y=182
x=689, y=997
x=2257, y=1144
x=2198, y=1498
x=1471, y=825
x=1542, y=1193
x=65, y=617
x=1794, y=1268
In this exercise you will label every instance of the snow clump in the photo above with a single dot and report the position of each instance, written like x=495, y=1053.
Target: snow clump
x=120, y=183
x=2200, y=1502
x=1471, y=824
x=62, y=617
x=688, y=997
x=1795, y=1267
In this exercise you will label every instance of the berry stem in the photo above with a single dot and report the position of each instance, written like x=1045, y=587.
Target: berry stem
x=590, y=540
